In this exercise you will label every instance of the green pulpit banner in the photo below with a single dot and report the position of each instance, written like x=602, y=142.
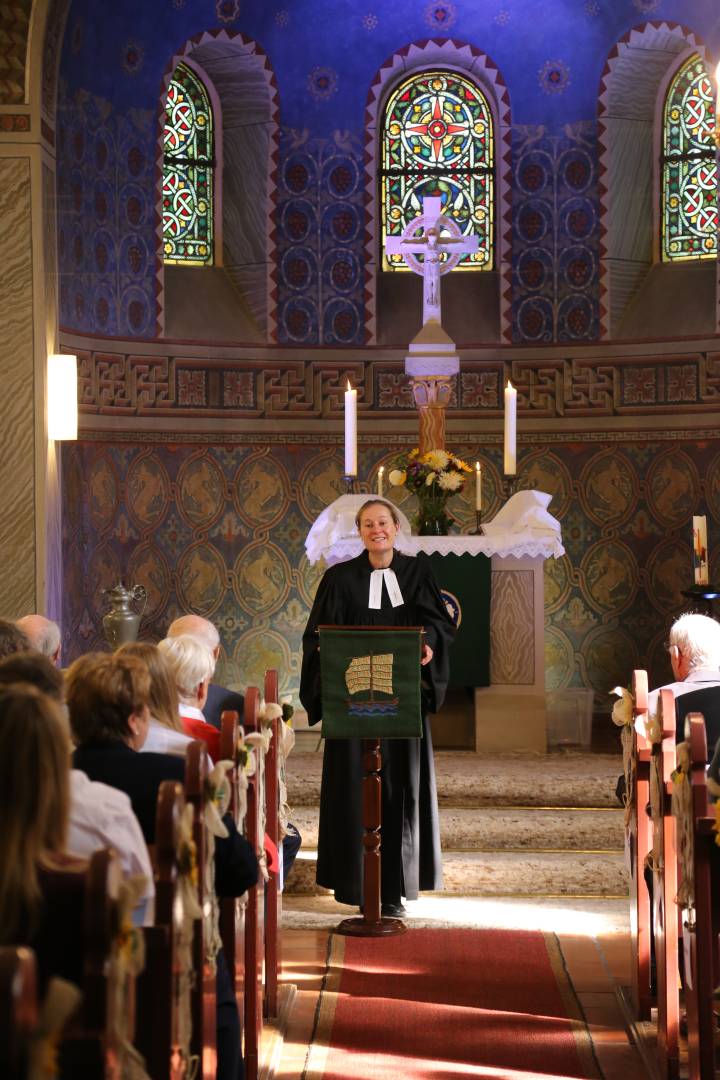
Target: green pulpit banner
x=371, y=681
x=464, y=581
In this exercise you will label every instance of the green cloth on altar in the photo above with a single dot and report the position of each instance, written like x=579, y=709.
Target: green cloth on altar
x=464, y=581
x=371, y=682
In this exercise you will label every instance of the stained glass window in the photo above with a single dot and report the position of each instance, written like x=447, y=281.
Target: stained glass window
x=437, y=139
x=188, y=172
x=689, y=170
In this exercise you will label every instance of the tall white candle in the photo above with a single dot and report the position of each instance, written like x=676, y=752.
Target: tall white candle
x=350, y=431
x=510, y=431
x=478, y=486
x=381, y=474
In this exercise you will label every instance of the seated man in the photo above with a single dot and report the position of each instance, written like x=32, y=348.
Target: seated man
x=192, y=665
x=219, y=698
x=12, y=639
x=694, y=650
x=43, y=635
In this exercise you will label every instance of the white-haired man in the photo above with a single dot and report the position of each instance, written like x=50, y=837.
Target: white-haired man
x=219, y=698
x=694, y=650
x=192, y=666
x=43, y=635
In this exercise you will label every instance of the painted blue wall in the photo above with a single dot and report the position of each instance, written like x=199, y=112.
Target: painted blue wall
x=324, y=54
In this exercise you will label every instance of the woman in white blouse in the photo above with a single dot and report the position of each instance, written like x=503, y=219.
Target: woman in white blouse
x=165, y=735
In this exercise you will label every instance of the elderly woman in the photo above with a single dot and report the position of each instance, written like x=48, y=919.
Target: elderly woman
x=166, y=734
x=381, y=587
x=192, y=665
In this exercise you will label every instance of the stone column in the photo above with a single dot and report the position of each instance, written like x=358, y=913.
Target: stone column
x=30, y=533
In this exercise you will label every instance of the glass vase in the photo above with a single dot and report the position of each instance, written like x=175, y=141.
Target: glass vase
x=432, y=519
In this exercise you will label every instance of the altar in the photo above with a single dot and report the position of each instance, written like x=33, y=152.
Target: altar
x=509, y=713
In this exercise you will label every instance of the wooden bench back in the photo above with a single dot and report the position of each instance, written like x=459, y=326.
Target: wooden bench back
x=273, y=892
x=232, y=909
x=203, y=997
x=701, y=913
x=665, y=915
x=18, y=1009
x=163, y=1030
x=254, y=911
x=639, y=829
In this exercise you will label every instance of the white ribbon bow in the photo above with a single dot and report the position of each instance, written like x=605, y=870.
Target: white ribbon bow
x=391, y=584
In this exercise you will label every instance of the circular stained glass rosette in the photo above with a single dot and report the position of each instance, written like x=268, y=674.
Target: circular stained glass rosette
x=690, y=176
x=437, y=140
x=188, y=172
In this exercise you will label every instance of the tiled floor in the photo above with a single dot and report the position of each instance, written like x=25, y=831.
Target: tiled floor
x=596, y=961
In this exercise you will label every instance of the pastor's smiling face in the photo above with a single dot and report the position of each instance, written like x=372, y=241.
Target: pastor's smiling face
x=377, y=529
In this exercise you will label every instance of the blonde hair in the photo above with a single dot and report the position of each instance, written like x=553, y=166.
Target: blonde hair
x=102, y=693
x=377, y=502
x=191, y=662
x=34, y=800
x=164, y=695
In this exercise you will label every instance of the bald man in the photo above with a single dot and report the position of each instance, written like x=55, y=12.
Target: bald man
x=43, y=635
x=219, y=697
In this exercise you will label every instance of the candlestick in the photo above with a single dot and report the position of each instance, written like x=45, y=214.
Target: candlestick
x=510, y=431
x=381, y=474
x=350, y=431
x=478, y=486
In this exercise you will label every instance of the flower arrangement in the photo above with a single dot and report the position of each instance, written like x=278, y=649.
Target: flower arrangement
x=433, y=477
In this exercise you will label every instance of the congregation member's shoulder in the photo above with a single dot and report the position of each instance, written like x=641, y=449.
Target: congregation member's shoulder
x=169, y=766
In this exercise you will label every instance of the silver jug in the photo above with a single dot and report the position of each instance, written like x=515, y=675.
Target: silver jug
x=122, y=622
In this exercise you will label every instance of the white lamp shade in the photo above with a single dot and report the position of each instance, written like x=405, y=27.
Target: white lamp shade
x=62, y=396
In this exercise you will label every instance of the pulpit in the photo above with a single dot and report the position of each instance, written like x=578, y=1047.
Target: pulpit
x=509, y=713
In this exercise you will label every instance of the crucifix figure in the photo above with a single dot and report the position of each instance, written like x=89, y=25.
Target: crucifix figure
x=441, y=236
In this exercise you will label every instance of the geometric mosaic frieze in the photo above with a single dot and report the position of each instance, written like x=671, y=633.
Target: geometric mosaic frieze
x=136, y=384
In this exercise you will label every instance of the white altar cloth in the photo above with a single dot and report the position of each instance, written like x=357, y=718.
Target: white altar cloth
x=522, y=528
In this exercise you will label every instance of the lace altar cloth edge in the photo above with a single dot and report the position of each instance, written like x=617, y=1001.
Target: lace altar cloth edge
x=526, y=544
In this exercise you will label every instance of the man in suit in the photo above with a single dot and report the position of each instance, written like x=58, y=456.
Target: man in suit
x=219, y=698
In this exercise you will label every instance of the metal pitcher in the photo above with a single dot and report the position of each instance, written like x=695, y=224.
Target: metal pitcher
x=122, y=622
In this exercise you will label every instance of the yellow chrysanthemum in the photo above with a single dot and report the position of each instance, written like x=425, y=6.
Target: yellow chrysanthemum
x=437, y=459
x=413, y=454
x=450, y=481
x=430, y=479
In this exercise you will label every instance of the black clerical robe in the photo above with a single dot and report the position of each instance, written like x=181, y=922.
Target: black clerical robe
x=411, y=859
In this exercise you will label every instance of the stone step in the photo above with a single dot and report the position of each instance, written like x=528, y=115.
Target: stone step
x=504, y=873
x=464, y=780
x=509, y=828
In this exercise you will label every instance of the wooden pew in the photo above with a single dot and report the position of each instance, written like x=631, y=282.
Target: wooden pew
x=664, y=869
x=163, y=1032
x=273, y=893
x=639, y=843
x=698, y=894
x=203, y=995
x=232, y=909
x=254, y=911
x=18, y=1010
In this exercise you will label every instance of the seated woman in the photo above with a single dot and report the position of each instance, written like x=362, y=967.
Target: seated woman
x=100, y=816
x=193, y=665
x=108, y=700
x=165, y=734
x=36, y=872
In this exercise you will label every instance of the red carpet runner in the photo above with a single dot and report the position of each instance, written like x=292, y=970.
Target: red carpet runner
x=440, y=1004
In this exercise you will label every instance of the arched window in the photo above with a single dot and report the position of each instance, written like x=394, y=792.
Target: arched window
x=188, y=168
x=689, y=171
x=437, y=139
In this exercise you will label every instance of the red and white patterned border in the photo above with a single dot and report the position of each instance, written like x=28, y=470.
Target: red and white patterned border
x=250, y=48
x=470, y=61
x=639, y=37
